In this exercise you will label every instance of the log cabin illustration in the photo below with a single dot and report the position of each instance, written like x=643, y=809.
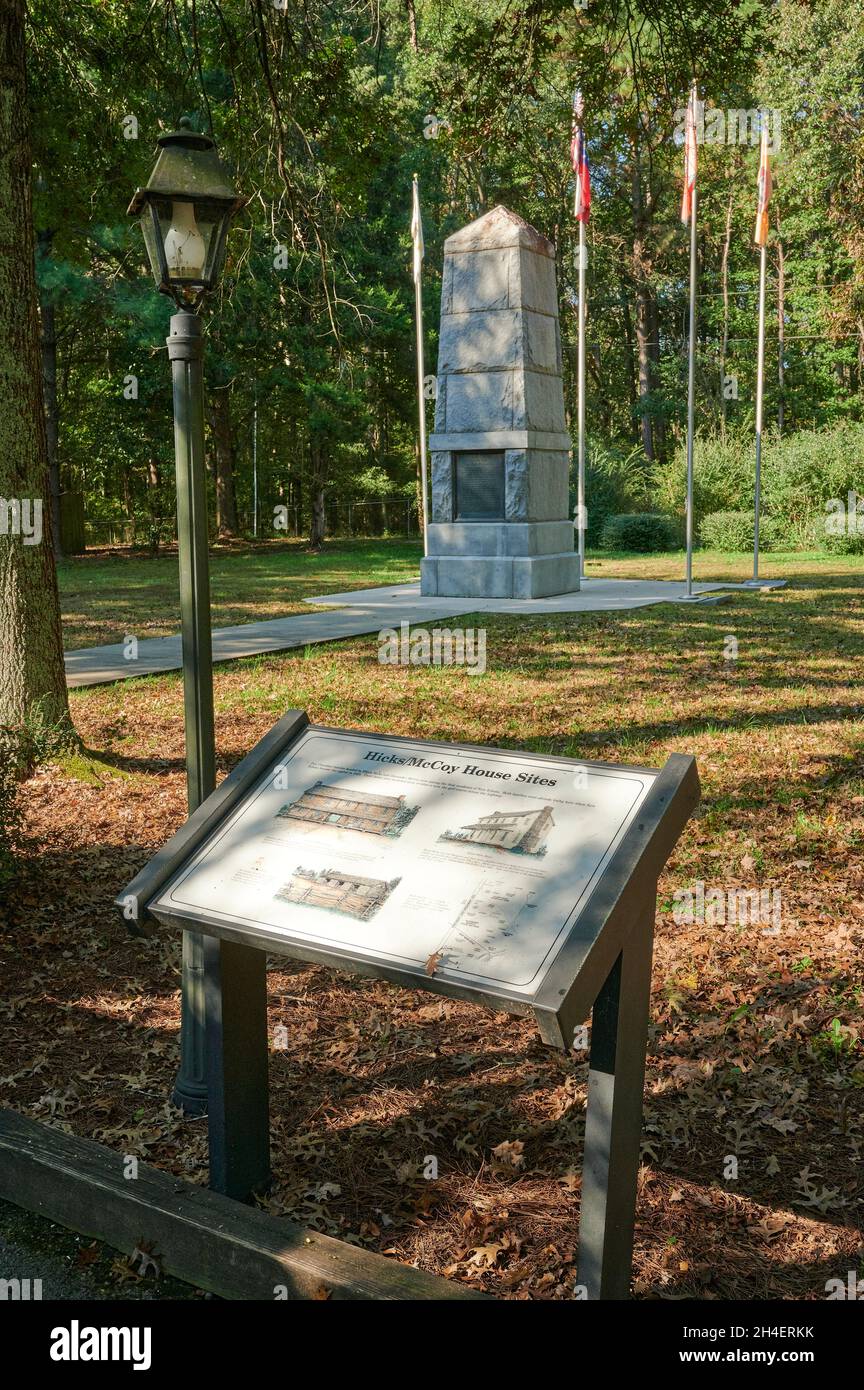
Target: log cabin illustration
x=520, y=832
x=325, y=804
x=337, y=890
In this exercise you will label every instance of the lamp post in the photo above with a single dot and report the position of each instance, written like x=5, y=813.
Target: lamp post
x=185, y=210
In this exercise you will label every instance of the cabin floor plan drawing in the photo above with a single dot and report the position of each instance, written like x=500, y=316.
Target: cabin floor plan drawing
x=325, y=804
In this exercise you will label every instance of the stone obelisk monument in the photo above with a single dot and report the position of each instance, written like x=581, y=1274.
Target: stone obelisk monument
x=499, y=519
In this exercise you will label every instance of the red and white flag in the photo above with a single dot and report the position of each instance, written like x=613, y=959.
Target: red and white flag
x=689, y=158
x=760, y=236
x=579, y=160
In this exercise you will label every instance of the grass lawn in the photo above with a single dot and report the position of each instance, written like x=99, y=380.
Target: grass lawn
x=751, y=1183
x=108, y=593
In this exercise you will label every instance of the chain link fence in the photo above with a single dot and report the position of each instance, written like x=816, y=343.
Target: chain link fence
x=378, y=516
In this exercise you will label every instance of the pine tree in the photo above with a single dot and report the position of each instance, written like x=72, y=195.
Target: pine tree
x=32, y=679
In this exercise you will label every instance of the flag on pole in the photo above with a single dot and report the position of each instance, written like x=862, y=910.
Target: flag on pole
x=689, y=157
x=760, y=236
x=579, y=160
x=417, y=232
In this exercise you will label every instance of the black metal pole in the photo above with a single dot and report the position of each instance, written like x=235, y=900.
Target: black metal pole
x=186, y=354
x=223, y=1025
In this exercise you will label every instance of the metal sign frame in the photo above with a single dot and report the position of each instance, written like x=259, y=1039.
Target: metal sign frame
x=602, y=970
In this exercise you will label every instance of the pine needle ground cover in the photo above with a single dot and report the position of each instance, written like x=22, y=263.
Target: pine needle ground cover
x=751, y=1179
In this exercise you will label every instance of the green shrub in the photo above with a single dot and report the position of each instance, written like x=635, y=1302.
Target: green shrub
x=722, y=478
x=639, y=532
x=846, y=543
x=730, y=532
x=801, y=474
x=604, y=496
x=614, y=482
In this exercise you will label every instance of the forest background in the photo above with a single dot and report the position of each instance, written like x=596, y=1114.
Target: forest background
x=324, y=112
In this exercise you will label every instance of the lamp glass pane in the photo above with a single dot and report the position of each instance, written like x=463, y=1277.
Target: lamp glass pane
x=152, y=243
x=190, y=234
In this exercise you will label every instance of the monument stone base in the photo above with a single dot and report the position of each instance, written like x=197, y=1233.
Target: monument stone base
x=500, y=576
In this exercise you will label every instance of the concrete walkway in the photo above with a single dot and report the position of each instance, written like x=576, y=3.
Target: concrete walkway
x=361, y=611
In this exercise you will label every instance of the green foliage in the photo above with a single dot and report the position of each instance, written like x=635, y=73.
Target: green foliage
x=722, y=478
x=804, y=472
x=615, y=481
x=639, y=533
x=846, y=543
x=323, y=113
x=731, y=532
x=806, y=478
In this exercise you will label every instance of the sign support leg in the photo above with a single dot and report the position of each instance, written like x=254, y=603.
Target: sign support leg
x=237, y=1081
x=613, y=1124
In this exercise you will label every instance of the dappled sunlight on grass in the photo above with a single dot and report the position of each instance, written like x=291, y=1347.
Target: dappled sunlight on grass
x=106, y=595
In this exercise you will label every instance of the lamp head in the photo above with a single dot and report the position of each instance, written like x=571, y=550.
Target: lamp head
x=185, y=209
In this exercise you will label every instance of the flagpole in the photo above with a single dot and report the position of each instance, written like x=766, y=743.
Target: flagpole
x=583, y=257
x=760, y=387
x=691, y=393
x=421, y=403
x=581, y=210
x=761, y=239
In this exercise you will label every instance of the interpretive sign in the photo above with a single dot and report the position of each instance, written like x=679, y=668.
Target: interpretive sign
x=406, y=853
x=523, y=882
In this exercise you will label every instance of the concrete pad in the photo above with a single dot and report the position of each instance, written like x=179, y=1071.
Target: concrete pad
x=595, y=595
x=363, y=611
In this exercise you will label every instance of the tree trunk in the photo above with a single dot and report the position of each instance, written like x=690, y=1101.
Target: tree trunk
x=644, y=318
x=658, y=422
x=318, y=528
x=316, y=535
x=630, y=359
x=781, y=327
x=724, y=342
x=412, y=25
x=648, y=348
x=32, y=678
x=129, y=504
x=154, y=506
x=49, y=387
x=221, y=428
